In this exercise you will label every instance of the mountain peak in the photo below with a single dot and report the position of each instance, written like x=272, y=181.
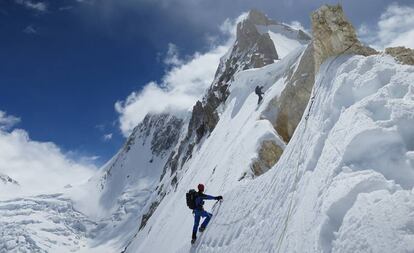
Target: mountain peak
x=333, y=34
x=259, y=18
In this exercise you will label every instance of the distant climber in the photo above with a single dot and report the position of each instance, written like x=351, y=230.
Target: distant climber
x=259, y=93
x=195, y=201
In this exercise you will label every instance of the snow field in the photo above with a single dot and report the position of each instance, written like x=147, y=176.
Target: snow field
x=46, y=223
x=283, y=44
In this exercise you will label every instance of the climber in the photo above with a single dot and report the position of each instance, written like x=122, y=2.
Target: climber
x=195, y=201
x=259, y=93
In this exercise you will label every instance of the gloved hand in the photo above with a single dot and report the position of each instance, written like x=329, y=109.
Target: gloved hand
x=219, y=197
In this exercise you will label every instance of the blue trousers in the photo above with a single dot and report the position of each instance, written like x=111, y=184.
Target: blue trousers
x=197, y=216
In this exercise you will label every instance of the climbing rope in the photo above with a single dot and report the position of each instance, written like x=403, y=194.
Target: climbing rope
x=296, y=181
x=290, y=205
x=214, y=212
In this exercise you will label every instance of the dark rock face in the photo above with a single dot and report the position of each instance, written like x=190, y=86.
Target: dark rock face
x=148, y=215
x=257, y=48
x=162, y=129
x=295, y=97
x=401, y=54
x=167, y=135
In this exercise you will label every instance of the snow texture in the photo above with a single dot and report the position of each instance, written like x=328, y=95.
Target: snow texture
x=343, y=184
x=46, y=223
x=284, y=38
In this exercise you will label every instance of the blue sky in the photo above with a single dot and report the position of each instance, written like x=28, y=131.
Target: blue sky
x=65, y=64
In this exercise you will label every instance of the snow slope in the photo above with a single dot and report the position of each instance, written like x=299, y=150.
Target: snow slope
x=123, y=190
x=46, y=223
x=343, y=184
x=285, y=38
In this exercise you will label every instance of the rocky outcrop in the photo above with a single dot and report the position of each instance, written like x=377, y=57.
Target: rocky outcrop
x=162, y=129
x=268, y=155
x=7, y=180
x=253, y=49
x=148, y=214
x=295, y=97
x=334, y=35
x=401, y=54
x=285, y=111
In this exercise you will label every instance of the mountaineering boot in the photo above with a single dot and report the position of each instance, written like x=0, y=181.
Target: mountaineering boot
x=201, y=229
x=193, y=239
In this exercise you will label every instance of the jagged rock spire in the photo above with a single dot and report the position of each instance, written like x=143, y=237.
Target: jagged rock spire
x=333, y=34
x=401, y=54
x=259, y=18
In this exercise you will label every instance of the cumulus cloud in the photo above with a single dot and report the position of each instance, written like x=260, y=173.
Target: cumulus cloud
x=7, y=121
x=39, y=167
x=30, y=30
x=107, y=137
x=173, y=57
x=395, y=27
x=297, y=25
x=183, y=84
x=37, y=6
x=66, y=8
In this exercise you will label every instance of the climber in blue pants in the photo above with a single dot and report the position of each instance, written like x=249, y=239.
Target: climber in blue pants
x=200, y=212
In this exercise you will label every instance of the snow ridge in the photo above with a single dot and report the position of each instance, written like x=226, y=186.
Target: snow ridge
x=331, y=192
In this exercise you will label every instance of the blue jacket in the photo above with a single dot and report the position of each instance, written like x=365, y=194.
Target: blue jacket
x=199, y=201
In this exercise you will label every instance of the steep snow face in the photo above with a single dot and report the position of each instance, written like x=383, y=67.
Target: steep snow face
x=285, y=38
x=344, y=180
x=123, y=191
x=139, y=165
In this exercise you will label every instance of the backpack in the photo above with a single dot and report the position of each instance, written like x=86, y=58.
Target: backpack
x=258, y=90
x=190, y=197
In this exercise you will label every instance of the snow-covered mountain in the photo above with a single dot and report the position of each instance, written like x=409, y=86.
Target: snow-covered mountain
x=324, y=164
x=6, y=180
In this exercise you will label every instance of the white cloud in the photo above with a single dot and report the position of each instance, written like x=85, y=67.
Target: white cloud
x=181, y=86
x=107, y=137
x=30, y=30
x=395, y=27
x=229, y=26
x=173, y=57
x=39, y=167
x=66, y=8
x=296, y=25
x=38, y=6
x=7, y=121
